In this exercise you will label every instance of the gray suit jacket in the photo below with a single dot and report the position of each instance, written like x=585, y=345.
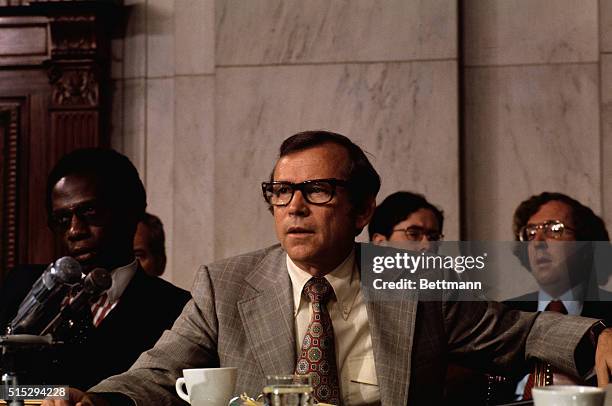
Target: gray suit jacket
x=241, y=315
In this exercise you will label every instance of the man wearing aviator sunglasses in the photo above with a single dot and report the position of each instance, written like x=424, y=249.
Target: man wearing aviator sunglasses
x=548, y=224
x=556, y=234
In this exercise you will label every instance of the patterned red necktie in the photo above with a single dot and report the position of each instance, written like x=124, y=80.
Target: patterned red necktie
x=318, y=355
x=553, y=306
x=100, y=308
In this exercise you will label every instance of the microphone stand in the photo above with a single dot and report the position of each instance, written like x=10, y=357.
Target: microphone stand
x=94, y=283
x=12, y=345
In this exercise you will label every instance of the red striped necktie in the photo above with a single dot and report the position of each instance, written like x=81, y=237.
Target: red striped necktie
x=101, y=308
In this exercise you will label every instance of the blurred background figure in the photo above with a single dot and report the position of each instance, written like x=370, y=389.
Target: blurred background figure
x=150, y=245
x=558, y=235
x=407, y=217
x=549, y=224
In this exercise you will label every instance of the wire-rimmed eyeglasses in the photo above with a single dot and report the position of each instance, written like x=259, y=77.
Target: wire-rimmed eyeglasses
x=552, y=229
x=315, y=191
x=415, y=233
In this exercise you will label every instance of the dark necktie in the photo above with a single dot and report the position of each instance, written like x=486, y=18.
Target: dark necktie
x=318, y=355
x=540, y=368
x=556, y=306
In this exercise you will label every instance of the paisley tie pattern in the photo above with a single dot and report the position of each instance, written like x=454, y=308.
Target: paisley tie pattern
x=318, y=355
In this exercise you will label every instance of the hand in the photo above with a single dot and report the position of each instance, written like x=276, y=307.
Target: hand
x=76, y=398
x=603, y=357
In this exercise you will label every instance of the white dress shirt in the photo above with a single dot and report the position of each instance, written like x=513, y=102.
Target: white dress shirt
x=353, y=341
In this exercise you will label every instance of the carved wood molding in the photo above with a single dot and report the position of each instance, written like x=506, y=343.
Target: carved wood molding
x=73, y=36
x=9, y=119
x=54, y=97
x=74, y=86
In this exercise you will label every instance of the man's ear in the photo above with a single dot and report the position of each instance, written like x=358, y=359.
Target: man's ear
x=365, y=214
x=378, y=238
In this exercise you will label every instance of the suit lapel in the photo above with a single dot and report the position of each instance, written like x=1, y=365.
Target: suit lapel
x=392, y=326
x=130, y=302
x=392, y=318
x=267, y=315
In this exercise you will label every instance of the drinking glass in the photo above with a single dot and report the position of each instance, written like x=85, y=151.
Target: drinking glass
x=288, y=390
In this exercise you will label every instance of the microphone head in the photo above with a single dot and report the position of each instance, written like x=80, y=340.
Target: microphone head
x=67, y=270
x=97, y=281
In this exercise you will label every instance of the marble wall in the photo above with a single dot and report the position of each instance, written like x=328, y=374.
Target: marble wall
x=605, y=66
x=531, y=100
x=531, y=75
x=164, y=120
x=206, y=90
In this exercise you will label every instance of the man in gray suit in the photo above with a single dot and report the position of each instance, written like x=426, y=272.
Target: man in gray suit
x=249, y=311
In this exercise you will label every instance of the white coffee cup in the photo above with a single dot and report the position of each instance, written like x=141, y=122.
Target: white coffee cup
x=568, y=395
x=207, y=386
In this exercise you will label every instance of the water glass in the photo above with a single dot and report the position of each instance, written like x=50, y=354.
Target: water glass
x=288, y=390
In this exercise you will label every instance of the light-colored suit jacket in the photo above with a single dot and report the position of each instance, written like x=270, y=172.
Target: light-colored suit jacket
x=241, y=315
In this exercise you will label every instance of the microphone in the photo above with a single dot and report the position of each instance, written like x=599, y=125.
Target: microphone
x=96, y=282
x=43, y=300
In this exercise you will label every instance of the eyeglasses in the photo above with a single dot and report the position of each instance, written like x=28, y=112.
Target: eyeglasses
x=553, y=229
x=88, y=213
x=415, y=233
x=316, y=191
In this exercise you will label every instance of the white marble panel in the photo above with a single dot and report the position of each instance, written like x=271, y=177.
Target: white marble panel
x=194, y=37
x=502, y=32
x=404, y=114
x=528, y=130
x=194, y=177
x=134, y=138
x=135, y=41
x=160, y=38
x=159, y=177
x=605, y=22
x=295, y=31
x=606, y=137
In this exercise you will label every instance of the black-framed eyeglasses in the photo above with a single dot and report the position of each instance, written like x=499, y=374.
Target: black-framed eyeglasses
x=91, y=214
x=415, y=233
x=315, y=191
x=552, y=229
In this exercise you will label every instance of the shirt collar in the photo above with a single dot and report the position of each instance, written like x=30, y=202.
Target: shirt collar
x=572, y=300
x=121, y=277
x=344, y=279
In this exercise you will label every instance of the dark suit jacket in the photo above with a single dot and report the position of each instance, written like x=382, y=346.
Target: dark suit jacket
x=601, y=309
x=148, y=306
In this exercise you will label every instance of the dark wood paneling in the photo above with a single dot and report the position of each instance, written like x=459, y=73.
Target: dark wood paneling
x=54, y=67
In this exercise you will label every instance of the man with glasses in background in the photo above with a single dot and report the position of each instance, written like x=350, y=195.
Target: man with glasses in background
x=299, y=307
x=407, y=218
x=556, y=234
